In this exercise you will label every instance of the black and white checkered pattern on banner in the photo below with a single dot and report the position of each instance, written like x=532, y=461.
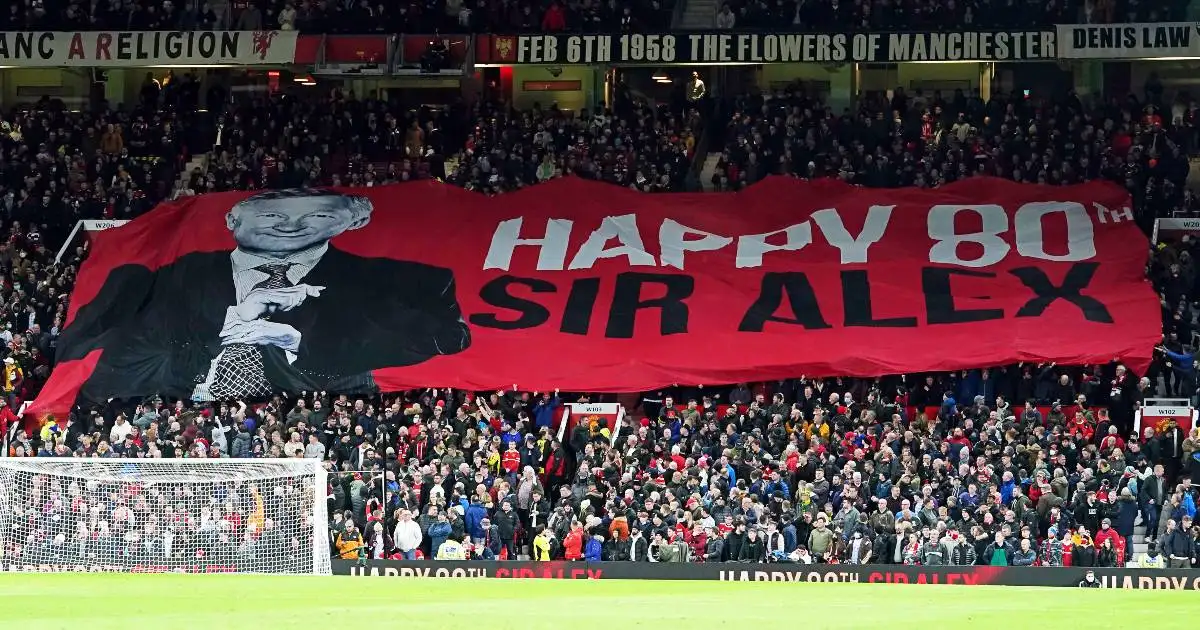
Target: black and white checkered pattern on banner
x=240, y=369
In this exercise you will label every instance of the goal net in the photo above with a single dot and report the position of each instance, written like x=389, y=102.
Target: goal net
x=164, y=515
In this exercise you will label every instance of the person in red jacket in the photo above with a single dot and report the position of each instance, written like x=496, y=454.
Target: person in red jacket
x=1080, y=427
x=555, y=19
x=573, y=543
x=698, y=542
x=510, y=461
x=7, y=418
x=1106, y=532
x=1112, y=441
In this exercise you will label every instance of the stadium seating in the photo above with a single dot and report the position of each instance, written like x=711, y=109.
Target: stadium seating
x=1053, y=473
x=447, y=16
x=457, y=16
x=489, y=150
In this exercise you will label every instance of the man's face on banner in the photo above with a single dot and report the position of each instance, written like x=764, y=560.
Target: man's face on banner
x=289, y=225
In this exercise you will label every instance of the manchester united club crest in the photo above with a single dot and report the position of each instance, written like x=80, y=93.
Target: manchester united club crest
x=262, y=43
x=505, y=47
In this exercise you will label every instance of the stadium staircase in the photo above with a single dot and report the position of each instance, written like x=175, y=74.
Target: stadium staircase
x=710, y=167
x=1139, y=541
x=197, y=162
x=699, y=15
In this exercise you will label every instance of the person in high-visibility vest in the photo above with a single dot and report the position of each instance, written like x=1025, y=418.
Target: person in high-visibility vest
x=451, y=550
x=1151, y=559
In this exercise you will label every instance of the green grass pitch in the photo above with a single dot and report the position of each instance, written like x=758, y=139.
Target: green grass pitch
x=215, y=602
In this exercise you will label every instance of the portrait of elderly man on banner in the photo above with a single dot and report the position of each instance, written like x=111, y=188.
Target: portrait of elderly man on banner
x=284, y=311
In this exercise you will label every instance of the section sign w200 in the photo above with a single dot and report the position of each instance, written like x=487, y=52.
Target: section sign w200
x=423, y=284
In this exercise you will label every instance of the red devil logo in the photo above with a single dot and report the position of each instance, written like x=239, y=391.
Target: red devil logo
x=262, y=43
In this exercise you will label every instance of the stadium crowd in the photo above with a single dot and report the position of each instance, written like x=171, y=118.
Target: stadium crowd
x=1014, y=465
x=884, y=15
x=321, y=16
x=456, y=16
x=339, y=140
x=926, y=140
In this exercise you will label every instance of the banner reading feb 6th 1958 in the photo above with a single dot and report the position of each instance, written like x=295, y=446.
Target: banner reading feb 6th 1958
x=424, y=284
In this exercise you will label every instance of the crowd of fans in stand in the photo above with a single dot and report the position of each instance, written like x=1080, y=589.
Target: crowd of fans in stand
x=887, y=15
x=926, y=140
x=323, y=16
x=636, y=144
x=803, y=471
x=56, y=167
x=816, y=470
x=451, y=16
x=283, y=142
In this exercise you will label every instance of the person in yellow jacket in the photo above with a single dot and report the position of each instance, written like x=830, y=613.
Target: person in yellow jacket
x=452, y=550
x=50, y=429
x=542, y=545
x=818, y=428
x=13, y=377
x=349, y=543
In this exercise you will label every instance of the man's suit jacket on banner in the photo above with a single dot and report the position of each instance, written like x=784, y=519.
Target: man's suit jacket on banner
x=160, y=330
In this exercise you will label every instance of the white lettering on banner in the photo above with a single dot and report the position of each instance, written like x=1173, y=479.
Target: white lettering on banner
x=537, y=49
x=623, y=228
x=989, y=243
x=717, y=48
x=1129, y=41
x=853, y=250
x=1105, y=215
x=589, y=49
x=672, y=237
x=1080, y=243
x=552, y=248
x=638, y=47
x=134, y=49
x=751, y=247
x=970, y=45
x=947, y=240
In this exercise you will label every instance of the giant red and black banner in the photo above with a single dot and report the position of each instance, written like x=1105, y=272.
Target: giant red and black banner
x=424, y=284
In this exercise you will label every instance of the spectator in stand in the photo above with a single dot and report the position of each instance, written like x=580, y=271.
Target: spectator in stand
x=1152, y=559
x=894, y=464
x=1024, y=556
x=725, y=20
x=555, y=18
x=407, y=535
x=1177, y=546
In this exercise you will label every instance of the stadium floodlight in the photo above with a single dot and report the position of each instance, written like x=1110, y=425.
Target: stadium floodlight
x=164, y=515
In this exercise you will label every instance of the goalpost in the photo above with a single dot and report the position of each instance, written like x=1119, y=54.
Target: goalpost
x=164, y=515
